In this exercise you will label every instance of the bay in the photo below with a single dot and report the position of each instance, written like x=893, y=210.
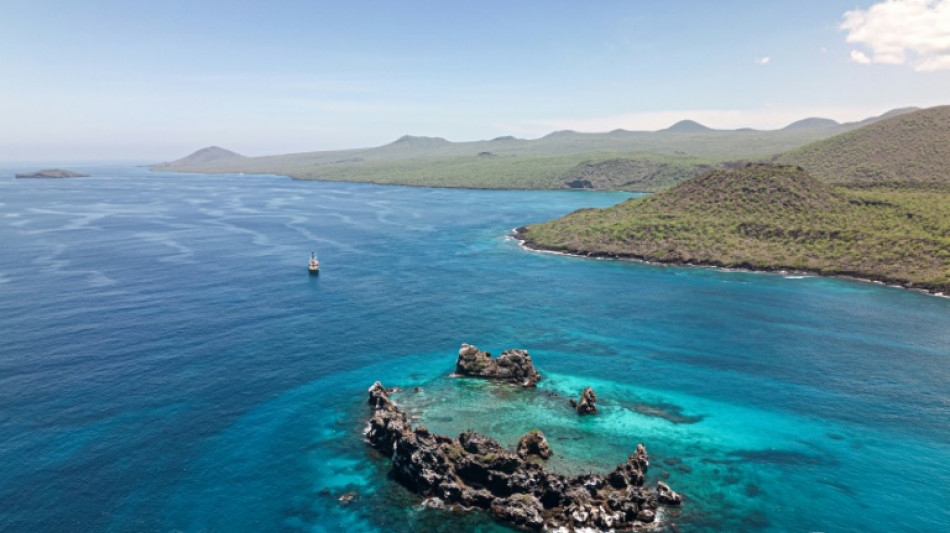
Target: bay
x=166, y=362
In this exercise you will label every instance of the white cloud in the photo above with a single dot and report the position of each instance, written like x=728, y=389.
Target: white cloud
x=860, y=57
x=897, y=32
x=763, y=60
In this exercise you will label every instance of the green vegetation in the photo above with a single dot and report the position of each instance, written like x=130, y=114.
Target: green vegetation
x=772, y=218
x=629, y=160
x=640, y=172
x=910, y=147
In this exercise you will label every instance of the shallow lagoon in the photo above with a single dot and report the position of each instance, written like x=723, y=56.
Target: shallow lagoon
x=168, y=363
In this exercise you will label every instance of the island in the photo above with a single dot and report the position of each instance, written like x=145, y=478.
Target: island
x=52, y=173
x=514, y=366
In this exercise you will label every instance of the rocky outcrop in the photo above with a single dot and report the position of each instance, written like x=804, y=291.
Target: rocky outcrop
x=586, y=405
x=514, y=366
x=379, y=395
x=665, y=495
x=475, y=471
x=534, y=443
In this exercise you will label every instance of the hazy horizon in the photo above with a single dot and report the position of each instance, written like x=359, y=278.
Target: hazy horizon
x=115, y=81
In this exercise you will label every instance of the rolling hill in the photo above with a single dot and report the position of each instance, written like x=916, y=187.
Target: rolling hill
x=620, y=159
x=908, y=147
x=206, y=156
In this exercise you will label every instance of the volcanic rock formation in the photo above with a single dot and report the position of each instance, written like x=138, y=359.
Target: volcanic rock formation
x=534, y=443
x=475, y=471
x=586, y=404
x=514, y=366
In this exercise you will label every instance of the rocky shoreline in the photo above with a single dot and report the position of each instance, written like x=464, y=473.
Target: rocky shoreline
x=474, y=471
x=519, y=235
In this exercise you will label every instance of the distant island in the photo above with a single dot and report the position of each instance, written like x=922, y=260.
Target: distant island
x=641, y=161
x=52, y=173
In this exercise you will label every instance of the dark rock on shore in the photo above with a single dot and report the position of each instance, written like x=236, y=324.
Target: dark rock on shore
x=514, y=366
x=52, y=173
x=534, y=443
x=666, y=495
x=586, y=404
x=379, y=395
x=475, y=471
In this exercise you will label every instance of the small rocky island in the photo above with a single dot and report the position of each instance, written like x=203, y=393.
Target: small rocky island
x=514, y=366
x=474, y=471
x=586, y=405
x=52, y=173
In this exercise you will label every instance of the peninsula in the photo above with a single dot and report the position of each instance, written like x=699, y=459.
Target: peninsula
x=52, y=173
x=767, y=217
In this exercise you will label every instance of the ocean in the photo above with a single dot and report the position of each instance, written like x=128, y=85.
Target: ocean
x=167, y=363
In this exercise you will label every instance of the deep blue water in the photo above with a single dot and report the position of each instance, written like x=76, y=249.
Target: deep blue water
x=167, y=364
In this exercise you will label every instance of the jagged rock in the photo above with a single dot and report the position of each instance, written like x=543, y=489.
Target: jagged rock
x=514, y=366
x=520, y=509
x=378, y=395
x=642, y=458
x=534, y=443
x=646, y=516
x=586, y=404
x=474, y=470
x=665, y=495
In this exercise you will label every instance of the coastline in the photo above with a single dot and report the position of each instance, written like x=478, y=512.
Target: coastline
x=518, y=235
x=154, y=168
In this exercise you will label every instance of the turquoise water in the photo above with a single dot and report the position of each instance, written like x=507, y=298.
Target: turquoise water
x=167, y=364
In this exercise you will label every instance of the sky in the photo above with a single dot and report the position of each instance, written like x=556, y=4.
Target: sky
x=154, y=81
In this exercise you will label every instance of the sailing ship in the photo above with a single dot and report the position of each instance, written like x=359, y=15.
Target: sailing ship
x=314, y=265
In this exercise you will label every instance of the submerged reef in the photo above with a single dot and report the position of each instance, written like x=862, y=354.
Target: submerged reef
x=474, y=471
x=513, y=366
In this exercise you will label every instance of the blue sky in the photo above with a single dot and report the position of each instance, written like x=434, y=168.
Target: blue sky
x=155, y=81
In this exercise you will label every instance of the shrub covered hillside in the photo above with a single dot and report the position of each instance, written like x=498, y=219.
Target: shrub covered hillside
x=772, y=217
x=910, y=147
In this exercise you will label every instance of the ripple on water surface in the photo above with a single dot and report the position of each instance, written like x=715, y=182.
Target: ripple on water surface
x=168, y=364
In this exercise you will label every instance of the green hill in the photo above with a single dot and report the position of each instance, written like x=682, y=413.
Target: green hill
x=771, y=218
x=909, y=147
x=212, y=155
x=687, y=126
